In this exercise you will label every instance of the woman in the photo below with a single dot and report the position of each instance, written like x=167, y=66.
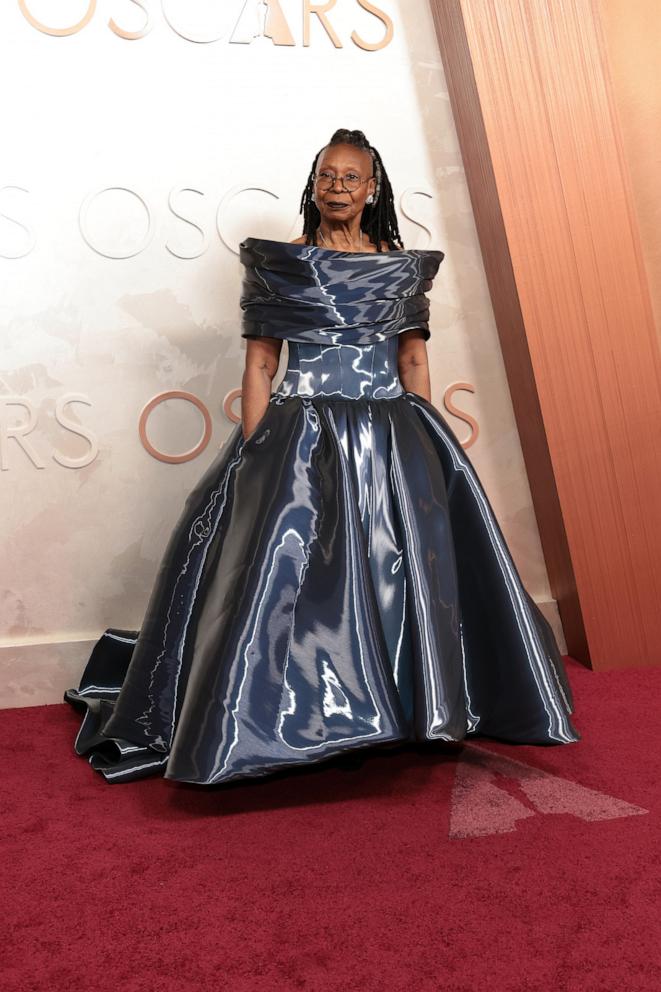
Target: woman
x=337, y=579
x=333, y=217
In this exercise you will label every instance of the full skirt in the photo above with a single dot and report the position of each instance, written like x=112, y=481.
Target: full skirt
x=337, y=581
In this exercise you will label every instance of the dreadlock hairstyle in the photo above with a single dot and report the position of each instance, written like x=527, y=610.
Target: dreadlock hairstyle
x=378, y=220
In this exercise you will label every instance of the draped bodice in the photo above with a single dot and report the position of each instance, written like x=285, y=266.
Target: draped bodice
x=340, y=311
x=318, y=295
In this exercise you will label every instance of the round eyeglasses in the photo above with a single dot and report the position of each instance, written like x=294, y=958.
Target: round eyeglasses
x=351, y=182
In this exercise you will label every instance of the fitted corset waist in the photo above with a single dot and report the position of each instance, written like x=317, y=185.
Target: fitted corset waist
x=347, y=371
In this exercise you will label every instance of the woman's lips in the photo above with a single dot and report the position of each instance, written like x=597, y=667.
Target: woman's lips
x=336, y=205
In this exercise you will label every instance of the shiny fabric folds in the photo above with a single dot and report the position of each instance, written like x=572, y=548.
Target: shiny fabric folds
x=336, y=581
x=319, y=295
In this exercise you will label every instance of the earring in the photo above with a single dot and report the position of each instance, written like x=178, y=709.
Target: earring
x=370, y=199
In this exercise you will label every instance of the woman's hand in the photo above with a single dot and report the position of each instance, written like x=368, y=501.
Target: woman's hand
x=262, y=360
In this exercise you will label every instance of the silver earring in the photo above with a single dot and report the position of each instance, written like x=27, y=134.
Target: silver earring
x=370, y=199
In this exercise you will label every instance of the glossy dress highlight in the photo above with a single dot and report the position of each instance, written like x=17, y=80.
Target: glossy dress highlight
x=338, y=580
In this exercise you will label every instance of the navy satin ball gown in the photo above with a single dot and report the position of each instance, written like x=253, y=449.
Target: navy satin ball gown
x=337, y=581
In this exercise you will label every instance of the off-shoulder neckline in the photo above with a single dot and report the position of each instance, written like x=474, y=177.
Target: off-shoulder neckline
x=337, y=251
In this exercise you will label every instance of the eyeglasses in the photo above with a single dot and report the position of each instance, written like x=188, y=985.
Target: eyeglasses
x=351, y=182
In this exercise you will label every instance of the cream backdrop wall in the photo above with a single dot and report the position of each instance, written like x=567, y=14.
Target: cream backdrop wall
x=203, y=142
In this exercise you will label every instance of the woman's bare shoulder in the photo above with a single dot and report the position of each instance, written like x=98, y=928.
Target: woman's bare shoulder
x=299, y=241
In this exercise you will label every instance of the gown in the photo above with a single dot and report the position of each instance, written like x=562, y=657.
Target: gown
x=336, y=581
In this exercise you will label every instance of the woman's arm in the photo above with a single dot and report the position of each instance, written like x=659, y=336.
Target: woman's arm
x=412, y=363
x=262, y=360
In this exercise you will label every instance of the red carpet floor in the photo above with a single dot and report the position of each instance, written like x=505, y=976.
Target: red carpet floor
x=491, y=867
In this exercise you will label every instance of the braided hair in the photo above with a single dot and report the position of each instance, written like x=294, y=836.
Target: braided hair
x=379, y=219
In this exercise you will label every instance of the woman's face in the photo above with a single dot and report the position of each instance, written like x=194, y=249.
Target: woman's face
x=338, y=204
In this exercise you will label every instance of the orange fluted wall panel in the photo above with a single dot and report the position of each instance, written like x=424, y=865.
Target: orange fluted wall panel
x=633, y=40
x=532, y=93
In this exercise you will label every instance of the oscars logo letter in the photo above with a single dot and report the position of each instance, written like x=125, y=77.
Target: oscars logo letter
x=456, y=412
x=74, y=427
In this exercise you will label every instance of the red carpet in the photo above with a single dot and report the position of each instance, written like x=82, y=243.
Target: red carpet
x=432, y=870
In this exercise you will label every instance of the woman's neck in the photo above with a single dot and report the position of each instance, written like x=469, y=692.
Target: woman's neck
x=342, y=236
